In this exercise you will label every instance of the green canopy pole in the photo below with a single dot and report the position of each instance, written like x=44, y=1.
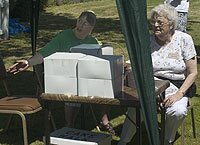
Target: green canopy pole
x=133, y=18
x=34, y=23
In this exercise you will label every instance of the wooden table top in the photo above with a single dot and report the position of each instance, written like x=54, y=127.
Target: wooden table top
x=128, y=97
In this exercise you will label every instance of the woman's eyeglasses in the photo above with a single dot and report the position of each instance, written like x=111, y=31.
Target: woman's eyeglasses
x=158, y=22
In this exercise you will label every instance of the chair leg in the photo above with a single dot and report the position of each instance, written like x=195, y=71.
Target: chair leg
x=24, y=126
x=193, y=123
x=183, y=132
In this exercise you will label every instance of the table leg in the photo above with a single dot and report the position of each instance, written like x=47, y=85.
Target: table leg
x=47, y=123
x=138, y=126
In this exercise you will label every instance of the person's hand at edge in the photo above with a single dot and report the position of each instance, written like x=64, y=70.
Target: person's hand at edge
x=20, y=65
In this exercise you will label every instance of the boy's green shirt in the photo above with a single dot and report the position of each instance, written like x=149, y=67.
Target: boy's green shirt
x=64, y=41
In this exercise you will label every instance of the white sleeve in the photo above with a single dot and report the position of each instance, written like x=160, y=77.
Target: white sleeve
x=188, y=49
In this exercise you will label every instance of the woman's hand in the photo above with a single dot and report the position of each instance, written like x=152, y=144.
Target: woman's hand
x=171, y=99
x=19, y=66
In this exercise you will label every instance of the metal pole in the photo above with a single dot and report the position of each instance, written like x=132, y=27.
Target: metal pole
x=34, y=23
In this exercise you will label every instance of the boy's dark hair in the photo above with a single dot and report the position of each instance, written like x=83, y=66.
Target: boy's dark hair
x=90, y=17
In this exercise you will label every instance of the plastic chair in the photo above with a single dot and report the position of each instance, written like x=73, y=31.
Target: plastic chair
x=190, y=107
x=21, y=105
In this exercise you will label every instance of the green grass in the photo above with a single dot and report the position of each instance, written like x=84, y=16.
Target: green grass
x=107, y=30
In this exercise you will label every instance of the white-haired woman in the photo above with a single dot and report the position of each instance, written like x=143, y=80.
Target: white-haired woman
x=173, y=58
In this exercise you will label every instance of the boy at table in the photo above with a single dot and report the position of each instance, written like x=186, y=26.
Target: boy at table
x=66, y=39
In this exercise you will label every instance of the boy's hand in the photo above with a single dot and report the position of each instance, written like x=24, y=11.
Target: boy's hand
x=19, y=66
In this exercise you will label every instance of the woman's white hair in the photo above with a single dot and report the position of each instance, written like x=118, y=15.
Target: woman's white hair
x=167, y=11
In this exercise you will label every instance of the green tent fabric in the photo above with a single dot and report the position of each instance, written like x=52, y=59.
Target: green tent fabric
x=133, y=18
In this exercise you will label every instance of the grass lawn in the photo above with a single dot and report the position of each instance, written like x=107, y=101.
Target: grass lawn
x=108, y=31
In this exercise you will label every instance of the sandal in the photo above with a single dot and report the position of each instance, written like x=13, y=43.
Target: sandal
x=108, y=127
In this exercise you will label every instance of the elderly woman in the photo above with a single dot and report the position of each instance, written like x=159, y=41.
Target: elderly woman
x=173, y=58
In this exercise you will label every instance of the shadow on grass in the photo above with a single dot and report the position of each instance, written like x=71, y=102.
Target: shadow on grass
x=10, y=48
x=50, y=21
x=49, y=26
x=52, y=24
